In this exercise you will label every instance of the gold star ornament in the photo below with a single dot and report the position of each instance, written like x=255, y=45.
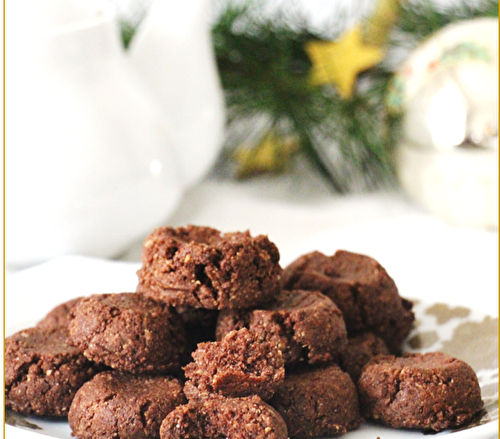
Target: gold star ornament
x=340, y=62
x=268, y=157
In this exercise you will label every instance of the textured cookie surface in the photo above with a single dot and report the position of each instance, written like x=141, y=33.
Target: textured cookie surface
x=203, y=268
x=128, y=332
x=119, y=405
x=239, y=365
x=220, y=418
x=318, y=402
x=306, y=326
x=43, y=372
x=361, y=288
x=430, y=391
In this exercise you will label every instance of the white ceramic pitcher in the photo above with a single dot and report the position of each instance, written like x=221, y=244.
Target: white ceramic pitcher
x=101, y=143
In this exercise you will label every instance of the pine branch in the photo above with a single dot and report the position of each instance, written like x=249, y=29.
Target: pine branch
x=421, y=18
x=265, y=70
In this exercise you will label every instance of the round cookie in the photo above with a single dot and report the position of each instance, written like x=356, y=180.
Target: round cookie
x=238, y=365
x=128, y=332
x=430, y=391
x=220, y=417
x=360, y=349
x=317, y=402
x=303, y=325
x=360, y=287
x=59, y=316
x=203, y=268
x=43, y=372
x=116, y=404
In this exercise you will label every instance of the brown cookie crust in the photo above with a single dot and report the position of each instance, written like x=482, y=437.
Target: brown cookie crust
x=220, y=417
x=360, y=349
x=43, y=372
x=239, y=365
x=203, y=268
x=430, y=391
x=318, y=402
x=116, y=404
x=187, y=422
x=360, y=287
x=128, y=332
x=303, y=325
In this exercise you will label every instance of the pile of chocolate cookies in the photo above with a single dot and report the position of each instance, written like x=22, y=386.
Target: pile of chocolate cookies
x=219, y=341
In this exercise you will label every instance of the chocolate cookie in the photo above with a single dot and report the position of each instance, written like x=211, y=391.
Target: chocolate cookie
x=360, y=349
x=43, y=372
x=360, y=287
x=220, y=418
x=430, y=391
x=318, y=402
x=119, y=405
x=203, y=268
x=59, y=316
x=239, y=365
x=128, y=332
x=303, y=325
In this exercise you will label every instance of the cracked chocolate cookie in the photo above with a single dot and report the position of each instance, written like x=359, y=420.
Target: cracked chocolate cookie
x=220, y=418
x=119, y=405
x=238, y=365
x=306, y=326
x=128, y=332
x=43, y=372
x=203, y=268
x=361, y=288
x=430, y=391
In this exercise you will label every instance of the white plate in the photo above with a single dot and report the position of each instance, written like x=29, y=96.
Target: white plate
x=466, y=334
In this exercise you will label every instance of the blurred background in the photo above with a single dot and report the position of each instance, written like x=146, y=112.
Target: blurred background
x=286, y=118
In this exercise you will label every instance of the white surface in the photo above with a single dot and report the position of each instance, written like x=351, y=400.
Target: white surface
x=33, y=292
x=488, y=431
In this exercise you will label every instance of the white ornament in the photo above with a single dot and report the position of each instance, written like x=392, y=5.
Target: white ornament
x=447, y=159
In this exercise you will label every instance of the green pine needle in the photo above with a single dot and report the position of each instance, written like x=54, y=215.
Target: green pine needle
x=421, y=18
